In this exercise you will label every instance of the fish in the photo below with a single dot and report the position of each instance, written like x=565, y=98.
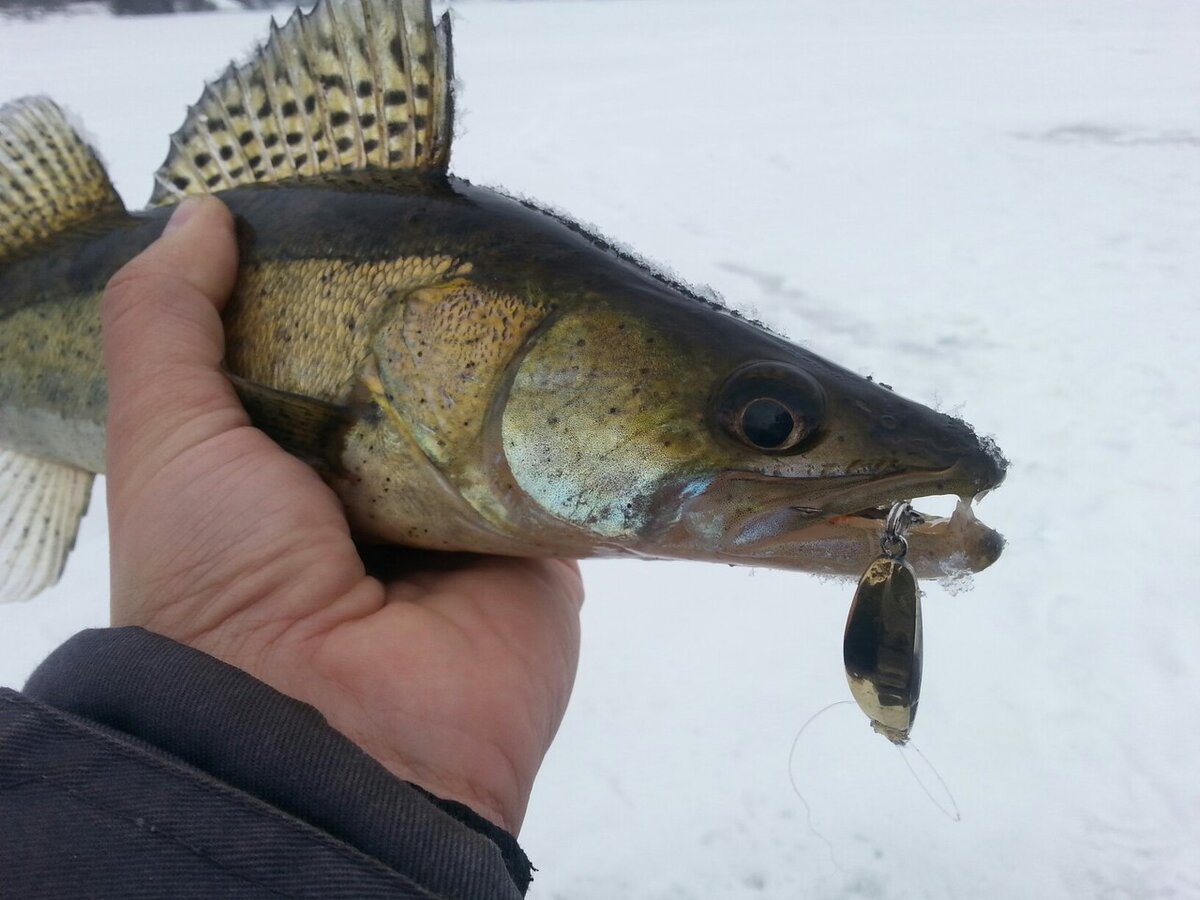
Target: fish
x=467, y=370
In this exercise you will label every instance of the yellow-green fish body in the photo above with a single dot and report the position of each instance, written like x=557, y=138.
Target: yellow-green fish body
x=466, y=370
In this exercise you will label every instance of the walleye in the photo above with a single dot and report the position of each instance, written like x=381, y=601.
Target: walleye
x=466, y=370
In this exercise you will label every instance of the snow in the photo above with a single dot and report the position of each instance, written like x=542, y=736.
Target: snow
x=994, y=207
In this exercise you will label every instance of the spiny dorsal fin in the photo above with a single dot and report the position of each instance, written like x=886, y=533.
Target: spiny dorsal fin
x=41, y=503
x=50, y=178
x=352, y=85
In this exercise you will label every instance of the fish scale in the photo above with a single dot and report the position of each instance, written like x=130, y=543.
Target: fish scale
x=466, y=370
x=317, y=348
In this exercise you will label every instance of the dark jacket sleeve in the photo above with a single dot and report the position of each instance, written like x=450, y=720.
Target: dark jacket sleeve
x=133, y=766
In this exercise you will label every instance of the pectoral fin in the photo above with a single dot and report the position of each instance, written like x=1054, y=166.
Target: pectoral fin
x=306, y=427
x=41, y=504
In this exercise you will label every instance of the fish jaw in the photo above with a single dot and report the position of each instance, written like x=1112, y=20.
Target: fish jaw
x=832, y=522
x=766, y=527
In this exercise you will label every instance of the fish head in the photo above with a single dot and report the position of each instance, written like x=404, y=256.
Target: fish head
x=664, y=426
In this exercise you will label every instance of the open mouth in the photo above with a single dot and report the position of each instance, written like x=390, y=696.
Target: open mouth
x=840, y=533
x=939, y=546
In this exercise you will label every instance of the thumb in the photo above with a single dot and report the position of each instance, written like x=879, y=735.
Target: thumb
x=163, y=344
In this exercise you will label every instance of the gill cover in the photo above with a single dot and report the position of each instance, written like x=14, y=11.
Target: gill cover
x=604, y=409
x=443, y=356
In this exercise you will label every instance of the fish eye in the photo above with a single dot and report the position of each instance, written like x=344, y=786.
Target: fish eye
x=767, y=423
x=770, y=407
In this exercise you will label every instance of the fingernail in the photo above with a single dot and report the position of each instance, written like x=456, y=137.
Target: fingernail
x=185, y=211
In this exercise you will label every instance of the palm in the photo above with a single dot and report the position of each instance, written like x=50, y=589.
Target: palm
x=453, y=672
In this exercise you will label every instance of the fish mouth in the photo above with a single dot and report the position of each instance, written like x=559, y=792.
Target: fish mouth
x=838, y=531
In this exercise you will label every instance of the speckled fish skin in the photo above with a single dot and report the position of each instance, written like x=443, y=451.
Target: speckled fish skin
x=467, y=371
x=476, y=374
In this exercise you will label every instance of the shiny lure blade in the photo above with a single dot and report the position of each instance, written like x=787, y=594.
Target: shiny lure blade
x=882, y=647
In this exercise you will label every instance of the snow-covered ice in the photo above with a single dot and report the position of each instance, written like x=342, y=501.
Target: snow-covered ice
x=994, y=207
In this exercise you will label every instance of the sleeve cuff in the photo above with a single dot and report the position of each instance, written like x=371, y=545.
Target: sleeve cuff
x=239, y=730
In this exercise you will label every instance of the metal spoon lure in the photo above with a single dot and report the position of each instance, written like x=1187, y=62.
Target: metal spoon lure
x=882, y=645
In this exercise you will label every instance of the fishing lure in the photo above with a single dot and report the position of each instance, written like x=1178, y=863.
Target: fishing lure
x=882, y=645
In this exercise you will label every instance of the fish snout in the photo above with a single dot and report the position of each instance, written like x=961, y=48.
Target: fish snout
x=922, y=438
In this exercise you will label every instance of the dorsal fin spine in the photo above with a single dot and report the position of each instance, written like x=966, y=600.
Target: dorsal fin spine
x=412, y=139
x=301, y=75
x=238, y=147
x=215, y=99
x=255, y=168
x=180, y=149
x=311, y=45
x=289, y=76
x=364, y=84
x=378, y=156
x=279, y=162
x=443, y=113
x=343, y=58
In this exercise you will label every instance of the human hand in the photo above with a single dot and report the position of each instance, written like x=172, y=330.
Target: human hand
x=453, y=676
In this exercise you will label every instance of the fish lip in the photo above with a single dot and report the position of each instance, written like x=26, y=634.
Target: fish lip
x=850, y=511
x=855, y=493
x=971, y=475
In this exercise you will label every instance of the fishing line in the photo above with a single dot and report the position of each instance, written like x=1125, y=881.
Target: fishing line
x=920, y=769
x=791, y=768
x=950, y=808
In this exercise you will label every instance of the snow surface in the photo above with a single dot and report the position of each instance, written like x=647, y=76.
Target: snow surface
x=994, y=207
